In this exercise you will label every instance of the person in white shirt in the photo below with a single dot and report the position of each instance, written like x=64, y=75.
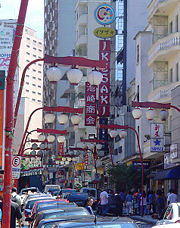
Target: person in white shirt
x=104, y=202
x=172, y=198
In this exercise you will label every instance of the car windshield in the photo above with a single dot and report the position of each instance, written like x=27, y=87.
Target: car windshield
x=79, y=196
x=68, y=190
x=48, y=206
x=31, y=203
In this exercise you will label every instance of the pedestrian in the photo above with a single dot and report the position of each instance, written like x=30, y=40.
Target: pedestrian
x=129, y=203
x=119, y=204
x=144, y=204
x=88, y=205
x=151, y=202
x=15, y=213
x=15, y=197
x=172, y=198
x=104, y=202
x=135, y=203
x=160, y=204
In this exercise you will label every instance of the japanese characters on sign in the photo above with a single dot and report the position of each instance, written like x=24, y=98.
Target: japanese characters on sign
x=104, y=87
x=90, y=105
x=60, y=149
x=104, y=32
x=104, y=14
x=157, y=139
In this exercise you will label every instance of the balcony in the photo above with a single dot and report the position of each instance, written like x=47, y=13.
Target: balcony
x=82, y=19
x=82, y=39
x=164, y=48
x=157, y=7
x=163, y=93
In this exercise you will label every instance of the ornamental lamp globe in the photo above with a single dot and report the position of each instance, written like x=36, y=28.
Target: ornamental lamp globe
x=75, y=119
x=74, y=76
x=49, y=118
x=66, y=162
x=69, y=159
x=99, y=146
x=54, y=74
x=61, y=138
x=163, y=114
x=33, y=153
x=62, y=118
x=63, y=159
x=113, y=133
x=50, y=138
x=137, y=113
x=95, y=77
x=150, y=114
x=122, y=134
x=41, y=138
x=34, y=146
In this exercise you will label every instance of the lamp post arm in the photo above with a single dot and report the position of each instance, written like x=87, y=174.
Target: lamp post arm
x=26, y=137
x=149, y=104
x=175, y=107
x=27, y=125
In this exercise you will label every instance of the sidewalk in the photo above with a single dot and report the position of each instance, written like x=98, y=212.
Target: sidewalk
x=145, y=218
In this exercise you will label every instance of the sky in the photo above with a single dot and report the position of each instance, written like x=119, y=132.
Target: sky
x=34, y=16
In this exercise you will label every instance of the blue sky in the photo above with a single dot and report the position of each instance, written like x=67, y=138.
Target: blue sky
x=34, y=17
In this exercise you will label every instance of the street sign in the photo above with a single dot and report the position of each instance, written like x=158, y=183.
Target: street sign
x=157, y=145
x=104, y=32
x=16, y=167
x=157, y=137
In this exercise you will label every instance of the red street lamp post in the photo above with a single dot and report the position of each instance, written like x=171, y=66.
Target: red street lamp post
x=125, y=127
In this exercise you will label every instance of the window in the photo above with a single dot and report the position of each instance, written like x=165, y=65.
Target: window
x=39, y=93
x=27, y=61
x=171, y=27
x=171, y=75
x=177, y=72
x=39, y=100
x=40, y=50
x=40, y=43
x=39, y=79
x=137, y=54
x=27, y=46
x=27, y=90
x=33, y=85
x=39, y=72
x=27, y=75
x=34, y=77
x=33, y=92
x=177, y=23
x=28, y=38
x=27, y=53
x=34, y=48
x=34, y=55
x=39, y=86
x=33, y=100
x=39, y=64
x=34, y=41
x=34, y=70
x=27, y=83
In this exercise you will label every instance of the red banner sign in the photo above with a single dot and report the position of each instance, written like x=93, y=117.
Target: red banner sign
x=90, y=105
x=104, y=87
x=60, y=149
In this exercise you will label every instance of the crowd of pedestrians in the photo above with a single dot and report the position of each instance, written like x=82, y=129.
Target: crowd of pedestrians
x=130, y=203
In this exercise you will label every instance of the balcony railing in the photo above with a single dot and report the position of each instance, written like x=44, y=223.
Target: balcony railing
x=168, y=42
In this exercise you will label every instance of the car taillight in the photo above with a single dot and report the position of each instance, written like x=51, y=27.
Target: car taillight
x=178, y=221
x=95, y=200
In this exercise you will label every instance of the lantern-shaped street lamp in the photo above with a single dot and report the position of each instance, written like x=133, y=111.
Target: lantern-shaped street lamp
x=62, y=118
x=66, y=162
x=122, y=134
x=94, y=77
x=113, y=133
x=63, y=159
x=74, y=159
x=98, y=146
x=69, y=159
x=75, y=119
x=41, y=138
x=61, y=162
x=49, y=118
x=163, y=114
x=61, y=139
x=54, y=74
x=50, y=138
x=150, y=114
x=40, y=153
x=137, y=113
x=74, y=76
x=33, y=153
x=34, y=146
x=42, y=146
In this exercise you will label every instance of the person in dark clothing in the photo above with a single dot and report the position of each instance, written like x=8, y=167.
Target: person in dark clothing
x=119, y=204
x=88, y=205
x=15, y=214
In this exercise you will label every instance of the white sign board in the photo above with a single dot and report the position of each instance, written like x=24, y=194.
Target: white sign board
x=16, y=167
x=157, y=130
x=173, y=151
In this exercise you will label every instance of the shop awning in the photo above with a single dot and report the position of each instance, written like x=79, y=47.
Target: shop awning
x=173, y=173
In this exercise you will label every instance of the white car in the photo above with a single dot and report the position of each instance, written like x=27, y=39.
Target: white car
x=173, y=225
x=171, y=215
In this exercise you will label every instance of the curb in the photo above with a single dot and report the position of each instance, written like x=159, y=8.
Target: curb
x=144, y=220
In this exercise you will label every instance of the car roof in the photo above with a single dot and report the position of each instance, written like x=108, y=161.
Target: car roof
x=65, y=218
x=99, y=221
x=63, y=210
x=39, y=198
x=54, y=206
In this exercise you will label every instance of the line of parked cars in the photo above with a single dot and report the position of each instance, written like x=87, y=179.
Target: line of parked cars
x=44, y=210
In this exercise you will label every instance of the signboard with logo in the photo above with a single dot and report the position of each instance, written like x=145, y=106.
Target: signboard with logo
x=16, y=167
x=104, y=14
x=174, y=151
x=157, y=137
x=104, y=32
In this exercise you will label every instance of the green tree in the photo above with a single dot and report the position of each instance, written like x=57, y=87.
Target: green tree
x=125, y=177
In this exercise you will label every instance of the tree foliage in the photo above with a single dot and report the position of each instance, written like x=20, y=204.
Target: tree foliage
x=125, y=177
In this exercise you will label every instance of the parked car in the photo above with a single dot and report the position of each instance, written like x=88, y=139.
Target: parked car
x=47, y=223
x=120, y=222
x=78, y=197
x=39, y=203
x=53, y=189
x=93, y=193
x=65, y=192
x=171, y=214
x=56, y=213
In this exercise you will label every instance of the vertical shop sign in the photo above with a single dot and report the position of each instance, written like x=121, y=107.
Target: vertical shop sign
x=104, y=87
x=90, y=105
x=60, y=149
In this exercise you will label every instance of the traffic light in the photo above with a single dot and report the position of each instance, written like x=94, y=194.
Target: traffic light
x=50, y=163
x=2, y=79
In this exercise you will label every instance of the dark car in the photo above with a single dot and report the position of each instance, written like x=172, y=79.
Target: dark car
x=78, y=197
x=47, y=223
x=65, y=192
x=55, y=213
x=105, y=222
